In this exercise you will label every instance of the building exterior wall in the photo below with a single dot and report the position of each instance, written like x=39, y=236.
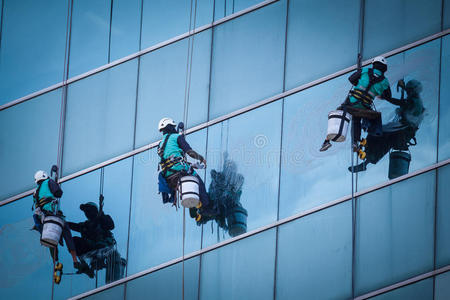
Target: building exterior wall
x=83, y=85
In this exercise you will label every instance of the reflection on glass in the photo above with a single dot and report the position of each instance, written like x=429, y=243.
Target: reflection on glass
x=422, y=290
x=394, y=233
x=402, y=22
x=414, y=118
x=29, y=141
x=444, y=109
x=399, y=134
x=96, y=246
x=316, y=251
x=33, y=36
x=252, y=145
x=115, y=293
x=96, y=206
x=24, y=264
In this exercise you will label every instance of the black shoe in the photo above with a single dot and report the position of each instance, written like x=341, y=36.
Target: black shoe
x=325, y=146
x=359, y=168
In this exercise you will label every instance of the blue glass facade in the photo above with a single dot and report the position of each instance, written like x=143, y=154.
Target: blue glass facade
x=83, y=85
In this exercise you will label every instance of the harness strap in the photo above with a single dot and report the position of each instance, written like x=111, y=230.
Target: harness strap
x=364, y=94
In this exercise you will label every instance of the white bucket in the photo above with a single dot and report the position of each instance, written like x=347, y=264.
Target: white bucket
x=51, y=231
x=338, y=122
x=189, y=191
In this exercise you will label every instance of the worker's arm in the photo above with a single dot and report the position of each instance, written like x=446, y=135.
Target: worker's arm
x=188, y=150
x=387, y=95
x=75, y=226
x=55, y=188
x=354, y=78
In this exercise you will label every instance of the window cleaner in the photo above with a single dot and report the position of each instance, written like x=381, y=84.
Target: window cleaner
x=399, y=134
x=368, y=83
x=174, y=167
x=49, y=220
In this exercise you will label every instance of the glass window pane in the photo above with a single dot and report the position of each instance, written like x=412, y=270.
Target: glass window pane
x=29, y=141
x=248, y=59
x=242, y=270
x=252, y=147
x=33, y=40
x=111, y=249
x=100, y=117
x=316, y=252
x=394, y=233
x=443, y=218
x=223, y=8
x=25, y=264
x=156, y=232
x=446, y=15
x=444, y=113
x=89, y=44
x=167, y=283
x=442, y=287
x=402, y=22
x=162, y=86
x=115, y=293
x=420, y=69
x=308, y=177
x=316, y=29
x=125, y=28
x=422, y=290
x=164, y=19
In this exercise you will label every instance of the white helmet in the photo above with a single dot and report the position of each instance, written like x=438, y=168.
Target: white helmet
x=40, y=175
x=380, y=59
x=164, y=122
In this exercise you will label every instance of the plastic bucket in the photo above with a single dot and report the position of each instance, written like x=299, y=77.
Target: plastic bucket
x=189, y=191
x=398, y=164
x=237, y=221
x=51, y=231
x=338, y=122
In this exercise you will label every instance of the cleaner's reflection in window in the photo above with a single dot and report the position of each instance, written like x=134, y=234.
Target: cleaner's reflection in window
x=225, y=193
x=96, y=247
x=399, y=134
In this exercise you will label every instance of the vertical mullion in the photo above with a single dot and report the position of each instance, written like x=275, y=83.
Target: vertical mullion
x=1, y=23
x=281, y=152
x=110, y=30
x=134, y=146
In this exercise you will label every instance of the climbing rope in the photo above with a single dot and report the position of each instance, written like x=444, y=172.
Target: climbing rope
x=187, y=89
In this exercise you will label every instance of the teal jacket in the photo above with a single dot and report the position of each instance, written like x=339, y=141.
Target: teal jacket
x=173, y=148
x=376, y=89
x=48, y=189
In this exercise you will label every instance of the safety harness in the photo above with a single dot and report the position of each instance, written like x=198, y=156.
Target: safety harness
x=364, y=95
x=166, y=164
x=40, y=203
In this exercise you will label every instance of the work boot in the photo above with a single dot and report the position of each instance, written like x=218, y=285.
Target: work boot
x=325, y=146
x=359, y=168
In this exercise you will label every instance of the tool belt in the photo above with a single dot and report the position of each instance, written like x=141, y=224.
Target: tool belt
x=170, y=162
x=364, y=97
